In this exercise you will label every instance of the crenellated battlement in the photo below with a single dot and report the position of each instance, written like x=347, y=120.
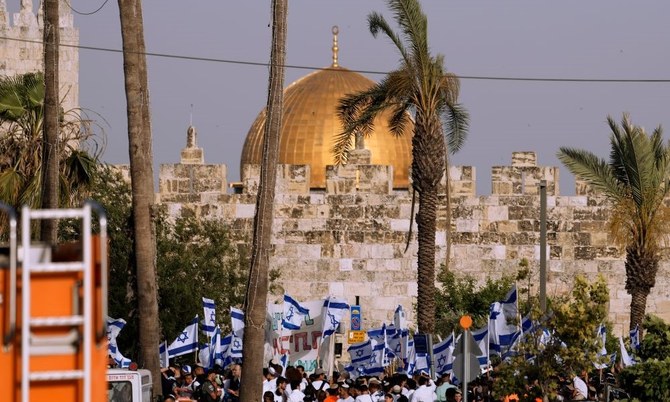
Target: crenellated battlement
x=349, y=239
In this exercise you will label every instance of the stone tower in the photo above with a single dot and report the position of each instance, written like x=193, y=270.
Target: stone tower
x=21, y=49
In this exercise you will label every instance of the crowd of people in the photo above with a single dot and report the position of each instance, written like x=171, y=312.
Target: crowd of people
x=194, y=383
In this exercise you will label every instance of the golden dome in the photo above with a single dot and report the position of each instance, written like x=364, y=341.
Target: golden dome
x=310, y=124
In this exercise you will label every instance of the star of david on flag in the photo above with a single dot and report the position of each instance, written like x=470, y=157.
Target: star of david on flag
x=443, y=353
x=294, y=313
x=333, y=311
x=635, y=338
x=186, y=341
x=209, y=320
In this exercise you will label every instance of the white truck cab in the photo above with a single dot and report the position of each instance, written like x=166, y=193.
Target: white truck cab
x=129, y=385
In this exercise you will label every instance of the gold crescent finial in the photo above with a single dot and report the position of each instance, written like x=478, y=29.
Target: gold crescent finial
x=335, y=48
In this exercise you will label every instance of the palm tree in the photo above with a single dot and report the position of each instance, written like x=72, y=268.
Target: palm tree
x=635, y=180
x=142, y=184
x=22, y=142
x=51, y=111
x=422, y=87
x=255, y=303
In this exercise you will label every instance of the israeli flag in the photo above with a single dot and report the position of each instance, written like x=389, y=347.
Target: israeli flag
x=509, y=306
x=114, y=326
x=626, y=360
x=209, y=319
x=294, y=313
x=375, y=366
x=381, y=335
x=237, y=321
x=410, y=360
x=164, y=356
x=443, y=353
x=205, y=356
x=397, y=344
x=236, y=347
x=216, y=355
x=399, y=320
x=225, y=350
x=333, y=311
x=481, y=337
x=187, y=341
x=361, y=355
x=635, y=338
x=602, y=353
x=501, y=334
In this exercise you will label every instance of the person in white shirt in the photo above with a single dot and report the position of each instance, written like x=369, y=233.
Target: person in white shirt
x=270, y=382
x=344, y=393
x=363, y=394
x=425, y=392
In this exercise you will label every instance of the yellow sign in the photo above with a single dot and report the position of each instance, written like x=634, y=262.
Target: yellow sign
x=356, y=336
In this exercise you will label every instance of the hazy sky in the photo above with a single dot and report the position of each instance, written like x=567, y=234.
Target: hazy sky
x=598, y=39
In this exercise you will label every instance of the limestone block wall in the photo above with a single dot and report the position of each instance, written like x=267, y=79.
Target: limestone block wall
x=23, y=51
x=349, y=240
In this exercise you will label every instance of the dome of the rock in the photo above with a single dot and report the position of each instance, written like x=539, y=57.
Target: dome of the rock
x=310, y=125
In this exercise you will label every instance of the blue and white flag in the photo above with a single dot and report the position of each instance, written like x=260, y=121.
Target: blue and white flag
x=164, y=355
x=236, y=348
x=501, y=333
x=216, y=351
x=397, y=344
x=225, y=350
x=333, y=312
x=635, y=338
x=209, y=318
x=626, y=360
x=399, y=320
x=380, y=336
x=294, y=313
x=237, y=321
x=509, y=306
x=187, y=341
x=377, y=362
x=114, y=326
x=602, y=355
x=360, y=353
x=284, y=361
x=410, y=360
x=443, y=353
x=481, y=337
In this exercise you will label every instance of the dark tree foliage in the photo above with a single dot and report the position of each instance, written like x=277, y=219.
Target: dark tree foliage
x=649, y=380
x=462, y=294
x=194, y=260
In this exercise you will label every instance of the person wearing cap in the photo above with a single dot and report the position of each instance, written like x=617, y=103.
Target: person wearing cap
x=345, y=395
x=184, y=390
x=320, y=382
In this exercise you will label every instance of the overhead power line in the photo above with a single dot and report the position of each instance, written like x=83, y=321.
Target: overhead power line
x=374, y=72
x=86, y=13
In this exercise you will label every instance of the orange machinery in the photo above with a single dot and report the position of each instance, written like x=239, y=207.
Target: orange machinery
x=53, y=311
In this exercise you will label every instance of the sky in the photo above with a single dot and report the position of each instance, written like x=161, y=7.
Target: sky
x=597, y=39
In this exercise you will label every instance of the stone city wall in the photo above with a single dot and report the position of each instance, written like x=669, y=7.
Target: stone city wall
x=21, y=49
x=349, y=240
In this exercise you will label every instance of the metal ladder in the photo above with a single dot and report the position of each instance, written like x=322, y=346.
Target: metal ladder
x=29, y=343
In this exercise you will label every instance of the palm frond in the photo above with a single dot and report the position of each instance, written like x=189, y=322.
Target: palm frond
x=399, y=120
x=11, y=182
x=456, y=122
x=595, y=171
x=377, y=23
x=414, y=25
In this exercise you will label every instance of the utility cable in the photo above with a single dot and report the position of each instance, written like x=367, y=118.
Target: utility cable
x=104, y=3
x=372, y=72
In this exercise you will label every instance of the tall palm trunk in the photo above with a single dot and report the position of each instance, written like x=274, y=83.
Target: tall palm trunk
x=50, y=162
x=257, y=289
x=641, y=269
x=428, y=151
x=142, y=186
